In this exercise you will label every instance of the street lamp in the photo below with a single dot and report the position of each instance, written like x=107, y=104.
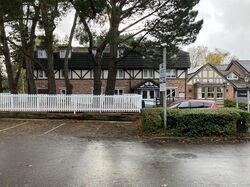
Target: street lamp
x=247, y=81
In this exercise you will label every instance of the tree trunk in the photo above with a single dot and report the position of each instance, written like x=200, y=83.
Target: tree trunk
x=6, y=53
x=66, y=59
x=97, y=78
x=50, y=72
x=112, y=71
x=30, y=75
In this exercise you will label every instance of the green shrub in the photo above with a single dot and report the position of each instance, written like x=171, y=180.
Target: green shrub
x=151, y=120
x=242, y=106
x=229, y=103
x=195, y=123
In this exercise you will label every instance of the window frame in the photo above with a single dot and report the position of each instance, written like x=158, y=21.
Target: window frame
x=171, y=73
x=62, y=53
x=147, y=72
x=232, y=76
x=42, y=54
x=118, y=74
x=119, y=91
x=44, y=76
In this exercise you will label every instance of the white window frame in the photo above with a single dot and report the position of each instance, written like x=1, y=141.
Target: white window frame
x=171, y=73
x=63, y=53
x=120, y=53
x=147, y=72
x=232, y=76
x=42, y=54
x=118, y=90
x=41, y=74
x=120, y=74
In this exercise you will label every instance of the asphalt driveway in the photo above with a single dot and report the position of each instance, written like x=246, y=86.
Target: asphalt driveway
x=89, y=154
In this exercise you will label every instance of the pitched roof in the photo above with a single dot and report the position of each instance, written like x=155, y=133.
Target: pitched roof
x=82, y=60
x=214, y=68
x=243, y=64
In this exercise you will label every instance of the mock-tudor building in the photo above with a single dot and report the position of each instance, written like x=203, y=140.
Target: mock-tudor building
x=220, y=82
x=134, y=74
x=210, y=83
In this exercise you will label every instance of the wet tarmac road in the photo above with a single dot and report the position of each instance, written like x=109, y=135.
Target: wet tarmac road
x=33, y=155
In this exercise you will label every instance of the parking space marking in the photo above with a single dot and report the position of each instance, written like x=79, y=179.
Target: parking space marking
x=51, y=130
x=13, y=126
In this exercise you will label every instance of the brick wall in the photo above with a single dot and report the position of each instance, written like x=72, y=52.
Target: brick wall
x=86, y=86
x=237, y=70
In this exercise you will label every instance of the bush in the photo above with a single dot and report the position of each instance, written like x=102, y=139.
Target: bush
x=151, y=120
x=229, y=103
x=242, y=106
x=195, y=123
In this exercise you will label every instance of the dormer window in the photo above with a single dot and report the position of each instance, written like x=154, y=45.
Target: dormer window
x=232, y=76
x=120, y=53
x=94, y=51
x=41, y=53
x=63, y=53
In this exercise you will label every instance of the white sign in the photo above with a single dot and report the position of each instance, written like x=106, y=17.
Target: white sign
x=162, y=78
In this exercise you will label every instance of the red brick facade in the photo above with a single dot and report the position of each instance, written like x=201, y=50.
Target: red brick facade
x=86, y=86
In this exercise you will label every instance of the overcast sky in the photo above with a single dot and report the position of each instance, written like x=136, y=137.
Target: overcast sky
x=226, y=26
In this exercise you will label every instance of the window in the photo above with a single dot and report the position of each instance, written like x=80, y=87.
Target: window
x=120, y=74
x=171, y=73
x=63, y=53
x=203, y=93
x=119, y=92
x=94, y=51
x=42, y=53
x=184, y=105
x=210, y=92
x=232, y=76
x=219, y=92
x=120, y=53
x=196, y=104
x=152, y=94
x=207, y=105
x=42, y=74
x=148, y=73
x=171, y=92
x=145, y=94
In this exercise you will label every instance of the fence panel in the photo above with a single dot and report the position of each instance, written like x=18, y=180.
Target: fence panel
x=70, y=103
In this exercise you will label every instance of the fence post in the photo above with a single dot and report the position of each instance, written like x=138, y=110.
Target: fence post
x=74, y=100
x=100, y=107
x=11, y=105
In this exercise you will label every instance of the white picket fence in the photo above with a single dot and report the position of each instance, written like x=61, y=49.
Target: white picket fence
x=70, y=103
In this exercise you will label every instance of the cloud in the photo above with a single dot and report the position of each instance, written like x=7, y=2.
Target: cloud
x=226, y=26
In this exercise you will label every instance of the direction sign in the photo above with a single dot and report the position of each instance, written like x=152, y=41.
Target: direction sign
x=162, y=78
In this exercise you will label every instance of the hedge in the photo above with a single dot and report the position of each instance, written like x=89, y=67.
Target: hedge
x=228, y=103
x=195, y=123
x=151, y=120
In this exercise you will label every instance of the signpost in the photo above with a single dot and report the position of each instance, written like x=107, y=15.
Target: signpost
x=163, y=75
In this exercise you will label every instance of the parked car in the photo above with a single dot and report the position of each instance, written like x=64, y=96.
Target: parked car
x=194, y=104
